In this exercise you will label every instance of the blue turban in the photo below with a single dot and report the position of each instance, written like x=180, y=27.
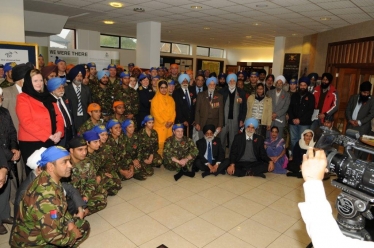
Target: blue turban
x=314, y=75
x=251, y=121
x=111, y=123
x=222, y=75
x=147, y=118
x=171, y=82
x=176, y=126
x=91, y=135
x=125, y=124
x=99, y=129
x=9, y=66
x=182, y=77
x=293, y=81
x=160, y=68
x=75, y=71
x=111, y=66
x=153, y=68
x=131, y=64
x=231, y=76
x=91, y=64
x=124, y=74
x=100, y=74
x=58, y=60
x=158, y=77
x=254, y=74
x=304, y=80
x=52, y=154
x=54, y=83
x=211, y=79
x=244, y=74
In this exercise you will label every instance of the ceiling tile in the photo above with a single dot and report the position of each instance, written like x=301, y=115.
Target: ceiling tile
x=363, y=3
x=304, y=7
x=277, y=11
x=237, y=8
x=286, y=3
x=337, y=5
x=214, y=12
x=255, y=4
x=346, y=11
x=176, y=3
x=219, y=3
x=149, y=6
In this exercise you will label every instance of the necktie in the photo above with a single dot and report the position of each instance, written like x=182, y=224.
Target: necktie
x=187, y=98
x=210, y=96
x=200, y=90
x=210, y=157
x=64, y=113
x=80, y=109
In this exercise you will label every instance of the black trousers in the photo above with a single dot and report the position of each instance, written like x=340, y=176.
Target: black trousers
x=200, y=164
x=256, y=168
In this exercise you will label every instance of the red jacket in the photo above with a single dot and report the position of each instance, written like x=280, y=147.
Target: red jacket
x=34, y=119
x=330, y=106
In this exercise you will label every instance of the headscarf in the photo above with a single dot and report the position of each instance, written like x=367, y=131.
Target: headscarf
x=111, y=123
x=125, y=124
x=302, y=141
x=100, y=129
x=32, y=161
x=280, y=77
x=52, y=154
x=91, y=135
x=178, y=125
x=147, y=118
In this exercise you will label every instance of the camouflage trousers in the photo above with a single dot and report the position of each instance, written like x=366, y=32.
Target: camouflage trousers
x=111, y=185
x=173, y=166
x=97, y=200
x=157, y=160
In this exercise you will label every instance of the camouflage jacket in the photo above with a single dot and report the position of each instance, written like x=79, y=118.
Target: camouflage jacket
x=104, y=97
x=106, y=159
x=131, y=99
x=121, y=119
x=83, y=177
x=114, y=83
x=120, y=150
x=249, y=89
x=42, y=218
x=6, y=84
x=179, y=149
x=88, y=125
x=132, y=147
x=147, y=144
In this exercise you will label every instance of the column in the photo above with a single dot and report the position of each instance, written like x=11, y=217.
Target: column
x=278, y=58
x=13, y=22
x=148, y=35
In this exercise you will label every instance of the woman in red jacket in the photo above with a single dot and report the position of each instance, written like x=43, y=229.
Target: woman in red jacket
x=40, y=121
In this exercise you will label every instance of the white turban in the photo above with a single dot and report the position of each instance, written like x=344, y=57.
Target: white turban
x=34, y=158
x=282, y=78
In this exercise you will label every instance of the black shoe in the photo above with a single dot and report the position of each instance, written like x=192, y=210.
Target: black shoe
x=3, y=229
x=9, y=220
x=189, y=173
x=260, y=175
x=178, y=175
x=205, y=173
x=139, y=177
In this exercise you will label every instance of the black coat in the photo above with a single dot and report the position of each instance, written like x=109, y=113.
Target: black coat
x=72, y=98
x=243, y=106
x=183, y=111
x=217, y=150
x=8, y=134
x=238, y=148
x=301, y=108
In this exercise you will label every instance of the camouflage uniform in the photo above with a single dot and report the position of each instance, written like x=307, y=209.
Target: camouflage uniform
x=6, y=84
x=88, y=125
x=131, y=99
x=249, y=89
x=175, y=79
x=104, y=97
x=103, y=163
x=42, y=218
x=149, y=145
x=132, y=148
x=116, y=82
x=83, y=178
x=179, y=149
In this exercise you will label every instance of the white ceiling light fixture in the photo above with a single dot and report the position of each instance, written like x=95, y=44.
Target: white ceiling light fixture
x=116, y=4
x=325, y=18
x=256, y=24
x=109, y=22
x=196, y=7
x=139, y=10
x=248, y=36
x=206, y=28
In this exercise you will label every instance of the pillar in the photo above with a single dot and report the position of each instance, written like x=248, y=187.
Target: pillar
x=278, y=58
x=148, y=40
x=13, y=21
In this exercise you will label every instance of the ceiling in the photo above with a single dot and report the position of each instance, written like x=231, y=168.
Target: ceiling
x=232, y=23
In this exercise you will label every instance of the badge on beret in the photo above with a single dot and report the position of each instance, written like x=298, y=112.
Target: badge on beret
x=53, y=214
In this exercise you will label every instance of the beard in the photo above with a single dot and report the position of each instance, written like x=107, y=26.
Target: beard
x=77, y=82
x=302, y=91
x=363, y=99
x=210, y=91
x=232, y=87
x=250, y=134
x=183, y=86
x=209, y=138
x=325, y=86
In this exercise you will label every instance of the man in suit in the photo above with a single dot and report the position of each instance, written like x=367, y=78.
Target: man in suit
x=78, y=95
x=185, y=99
x=56, y=87
x=281, y=102
x=209, y=107
x=200, y=85
x=211, y=157
x=360, y=110
x=234, y=109
x=248, y=155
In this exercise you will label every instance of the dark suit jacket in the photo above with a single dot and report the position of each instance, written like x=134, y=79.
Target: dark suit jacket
x=205, y=114
x=238, y=148
x=243, y=106
x=183, y=111
x=365, y=114
x=72, y=98
x=194, y=89
x=217, y=150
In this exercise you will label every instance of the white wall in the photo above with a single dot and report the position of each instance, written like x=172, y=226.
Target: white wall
x=41, y=41
x=12, y=21
x=251, y=54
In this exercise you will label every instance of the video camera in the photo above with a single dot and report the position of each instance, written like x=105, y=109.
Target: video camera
x=355, y=178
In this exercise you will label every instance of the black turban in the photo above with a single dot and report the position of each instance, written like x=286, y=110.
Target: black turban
x=75, y=71
x=328, y=76
x=208, y=127
x=365, y=86
x=19, y=71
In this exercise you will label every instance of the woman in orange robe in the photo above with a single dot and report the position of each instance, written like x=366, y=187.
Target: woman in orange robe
x=163, y=110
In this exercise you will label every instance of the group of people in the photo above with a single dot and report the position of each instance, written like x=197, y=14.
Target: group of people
x=75, y=135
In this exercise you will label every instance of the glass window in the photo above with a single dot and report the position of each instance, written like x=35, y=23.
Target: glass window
x=109, y=41
x=128, y=43
x=65, y=39
x=165, y=47
x=216, y=53
x=202, y=51
x=180, y=49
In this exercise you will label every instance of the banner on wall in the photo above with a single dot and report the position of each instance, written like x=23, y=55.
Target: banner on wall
x=75, y=56
x=291, y=65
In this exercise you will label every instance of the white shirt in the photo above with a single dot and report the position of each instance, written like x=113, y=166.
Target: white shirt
x=320, y=224
x=64, y=106
x=355, y=112
x=19, y=88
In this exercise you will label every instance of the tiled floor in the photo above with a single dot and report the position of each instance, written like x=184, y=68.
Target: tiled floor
x=209, y=212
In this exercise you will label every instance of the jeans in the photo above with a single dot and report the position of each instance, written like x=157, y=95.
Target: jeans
x=295, y=132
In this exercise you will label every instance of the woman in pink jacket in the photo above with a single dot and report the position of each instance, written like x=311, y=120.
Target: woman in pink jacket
x=40, y=121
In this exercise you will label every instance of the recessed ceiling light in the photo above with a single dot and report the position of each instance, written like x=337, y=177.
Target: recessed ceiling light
x=248, y=36
x=196, y=7
x=261, y=5
x=211, y=38
x=206, y=28
x=294, y=34
x=116, y=4
x=325, y=18
x=109, y=22
x=256, y=24
x=169, y=31
x=139, y=9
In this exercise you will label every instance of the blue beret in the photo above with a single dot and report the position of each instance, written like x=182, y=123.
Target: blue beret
x=100, y=74
x=112, y=66
x=160, y=68
x=91, y=135
x=293, y=81
x=52, y=154
x=211, y=79
x=125, y=124
x=75, y=71
x=58, y=60
x=111, y=123
x=242, y=72
x=7, y=68
x=304, y=80
x=153, y=68
x=147, y=118
x=231, y=76
x=158, y=77
x=124, y=74
x=141, y=77
x=91, y=64
x=222, y=75
x=99, y=129
x=251, y=121
x=253, y=73
x=182, y=77
x=131, y=64
x=176, y=126
x=171, y=82
x=54, y=83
